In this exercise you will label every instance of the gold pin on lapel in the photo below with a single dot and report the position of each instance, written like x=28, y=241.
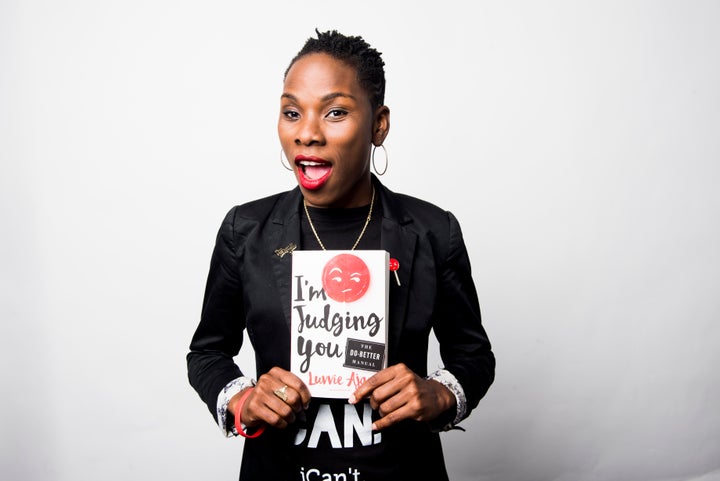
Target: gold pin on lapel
x=285, y=250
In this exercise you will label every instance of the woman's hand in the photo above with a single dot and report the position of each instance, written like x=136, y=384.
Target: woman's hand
x=398, y=394
x=263, y=406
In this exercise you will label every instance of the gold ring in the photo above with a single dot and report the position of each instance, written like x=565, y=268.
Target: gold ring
x=282, y=393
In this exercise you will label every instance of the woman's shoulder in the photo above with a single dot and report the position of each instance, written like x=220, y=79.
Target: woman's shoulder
x=408, y=209
x=260, y=208
x=429, y=222
x=244, y=217
x=410, y=202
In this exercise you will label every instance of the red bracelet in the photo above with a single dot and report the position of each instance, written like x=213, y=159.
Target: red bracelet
x=238, y=420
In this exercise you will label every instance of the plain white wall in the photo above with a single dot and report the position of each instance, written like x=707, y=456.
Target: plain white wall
x=577, y=142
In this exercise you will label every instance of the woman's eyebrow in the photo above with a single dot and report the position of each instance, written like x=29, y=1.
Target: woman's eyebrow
x=325, y=98
x=335, y=95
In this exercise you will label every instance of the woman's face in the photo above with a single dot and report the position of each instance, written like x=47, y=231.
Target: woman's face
x=326, y=128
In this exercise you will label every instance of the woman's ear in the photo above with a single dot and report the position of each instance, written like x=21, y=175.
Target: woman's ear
x=381, y=125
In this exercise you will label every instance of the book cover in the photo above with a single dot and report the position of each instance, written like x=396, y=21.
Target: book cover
x=339, y=319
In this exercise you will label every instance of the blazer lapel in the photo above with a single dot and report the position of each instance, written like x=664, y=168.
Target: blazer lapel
x=283, y=239
x=400, y=242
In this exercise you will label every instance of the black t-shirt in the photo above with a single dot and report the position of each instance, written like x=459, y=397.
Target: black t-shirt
x=336, y=439
x=338, y=229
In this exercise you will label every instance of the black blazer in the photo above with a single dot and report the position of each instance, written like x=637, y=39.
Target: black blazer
x=249, y=288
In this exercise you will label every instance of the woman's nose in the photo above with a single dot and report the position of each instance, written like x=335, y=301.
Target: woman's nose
x=309, y=131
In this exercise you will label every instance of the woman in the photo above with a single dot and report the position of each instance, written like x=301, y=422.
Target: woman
x=332, y=116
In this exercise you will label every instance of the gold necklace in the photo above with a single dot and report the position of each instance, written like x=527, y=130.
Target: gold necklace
x=367, y=221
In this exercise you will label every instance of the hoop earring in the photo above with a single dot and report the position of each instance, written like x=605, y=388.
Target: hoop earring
x=386, y=160
x=287, y=167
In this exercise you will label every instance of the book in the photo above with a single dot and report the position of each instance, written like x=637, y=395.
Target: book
x=339, y=322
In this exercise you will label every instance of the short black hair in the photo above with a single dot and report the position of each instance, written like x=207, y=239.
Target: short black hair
x=355, y=52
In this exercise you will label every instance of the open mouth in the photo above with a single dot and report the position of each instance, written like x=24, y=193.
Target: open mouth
x=313, y=172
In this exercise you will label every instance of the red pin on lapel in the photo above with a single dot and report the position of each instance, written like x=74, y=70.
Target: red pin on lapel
x=394, y=266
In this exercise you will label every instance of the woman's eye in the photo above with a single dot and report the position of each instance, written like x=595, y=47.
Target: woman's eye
x=291, y=114
x=336, y=113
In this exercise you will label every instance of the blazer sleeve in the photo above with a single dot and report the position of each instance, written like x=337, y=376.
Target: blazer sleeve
x=219, y=335
x=464, y=344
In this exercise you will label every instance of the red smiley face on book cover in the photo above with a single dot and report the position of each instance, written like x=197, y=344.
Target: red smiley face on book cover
x=346, y=278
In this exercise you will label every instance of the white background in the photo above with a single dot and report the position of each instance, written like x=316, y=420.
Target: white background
x=577, y=142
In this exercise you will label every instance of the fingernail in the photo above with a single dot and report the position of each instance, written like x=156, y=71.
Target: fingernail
x=352, y=399
x=374, y=427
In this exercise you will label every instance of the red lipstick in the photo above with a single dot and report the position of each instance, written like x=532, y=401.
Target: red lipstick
x=312, y=171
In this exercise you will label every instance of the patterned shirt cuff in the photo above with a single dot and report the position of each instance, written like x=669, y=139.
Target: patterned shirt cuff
x=231, y=389
x=446, y=378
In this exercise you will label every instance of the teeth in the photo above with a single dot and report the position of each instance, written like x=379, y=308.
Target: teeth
x=310, y=163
